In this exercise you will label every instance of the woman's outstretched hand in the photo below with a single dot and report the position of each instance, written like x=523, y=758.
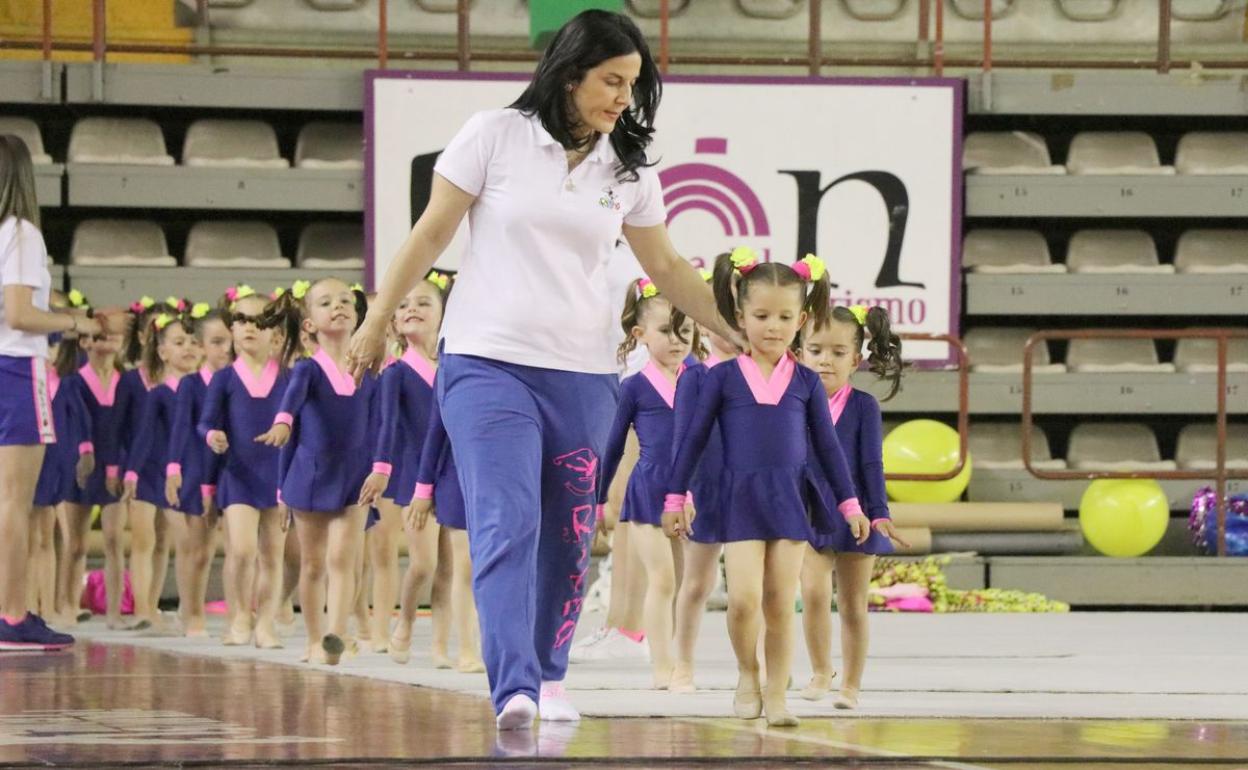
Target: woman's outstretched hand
x=368, y=349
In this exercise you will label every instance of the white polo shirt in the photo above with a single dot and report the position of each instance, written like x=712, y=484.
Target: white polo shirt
x=23, y=262
x=533, y=289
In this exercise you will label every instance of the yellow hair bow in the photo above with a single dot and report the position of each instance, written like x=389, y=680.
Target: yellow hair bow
x=162, y=320
x=704, y=273
x=200, y=309
x=76, y=298
x=299, y=289
x=860, y=313
x=438, y=279
x=146, y=302
x=744, y=259
x=814, y=268
x=357, y=287
x=647, y=289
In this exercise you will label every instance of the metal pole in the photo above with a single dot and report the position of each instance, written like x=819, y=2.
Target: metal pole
x=98, y=33
x=814, y=43
x=1163, y=37
x=461, y=39
x=938, y=54
x=46, y=85
x=665, y=16
x=383, y=46
x=987, y=73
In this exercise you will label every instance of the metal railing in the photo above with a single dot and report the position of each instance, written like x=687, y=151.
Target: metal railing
x=1220, y=473
x=929, y=55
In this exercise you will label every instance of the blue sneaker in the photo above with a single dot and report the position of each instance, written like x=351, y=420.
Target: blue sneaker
x=32, y=634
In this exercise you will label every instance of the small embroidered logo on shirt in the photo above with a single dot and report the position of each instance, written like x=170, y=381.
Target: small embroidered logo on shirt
x=608, y=200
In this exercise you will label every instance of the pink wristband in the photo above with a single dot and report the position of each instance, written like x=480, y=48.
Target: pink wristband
x=111, y=471
x=384, y=469
x=284, y=418
x=211, y=435
x=674, y=503
x=600, y=511
x=875, y=523
x=173, y=469
x=279, y=497
x=207, y=490
x=850, y=508
x=423, y=492
x=131, y=476
x=86, y=448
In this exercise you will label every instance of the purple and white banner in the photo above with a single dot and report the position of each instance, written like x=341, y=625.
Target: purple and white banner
x=866, y=173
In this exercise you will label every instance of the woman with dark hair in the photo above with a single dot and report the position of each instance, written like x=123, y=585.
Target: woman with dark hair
x=528, y=385
x=26, y=425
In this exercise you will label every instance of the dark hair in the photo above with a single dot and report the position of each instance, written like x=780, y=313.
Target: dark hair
x=444, y=294
x=198, y=324
x=286, y=313
x=732, y=287
x=17, y=181
x=635, y=305
x=587, y=40
x=141, y=318
x=66, y=361
x=151, y=351
x=883, y=346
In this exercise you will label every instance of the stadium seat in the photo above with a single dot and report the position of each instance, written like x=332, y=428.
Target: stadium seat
x=1201, y=355
x=28, y=131
x=336, y=5
x=234, y=244
x=1200, y=10
x=331, y=245
x=1213, y=153
x=875, y=10
x=1007, y=152
x=998, y=445
x=1114, y=251
x=1212, y=251
x=1114, y=355
x=130, y=141
x=1124, y=446
x=1000, y=349
x=120, y=243
x=770, y=9
x=323, y=144
x=1007, y=251
x=1198, y=446
x=234, y=143
x=1115, y=152
x=1088, y=10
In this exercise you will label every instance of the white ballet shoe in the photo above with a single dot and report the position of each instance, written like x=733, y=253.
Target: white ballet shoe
x=517, y=713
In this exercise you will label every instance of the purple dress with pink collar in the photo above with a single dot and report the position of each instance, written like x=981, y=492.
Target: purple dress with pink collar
x=148, y=460
x=244, y=406
x=100, y=399
x=189, y=457
x=765, y=425
x=858, y=428
x=405, y=403
x=647, y=401
x=332, y=421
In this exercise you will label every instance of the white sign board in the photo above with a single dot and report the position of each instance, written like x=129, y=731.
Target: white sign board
x=866, y=173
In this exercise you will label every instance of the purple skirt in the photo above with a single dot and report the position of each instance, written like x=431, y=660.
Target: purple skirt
x=25, y=409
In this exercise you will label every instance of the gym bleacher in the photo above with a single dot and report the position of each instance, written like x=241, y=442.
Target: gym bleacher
x=1096, y=196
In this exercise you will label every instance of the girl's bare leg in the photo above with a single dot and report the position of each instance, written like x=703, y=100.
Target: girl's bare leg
x=701, y=570
x=853, y=579
x=817, y=621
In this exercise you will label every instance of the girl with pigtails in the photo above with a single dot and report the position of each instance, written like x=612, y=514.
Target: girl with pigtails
x=240, y=404
x=834, y=350
x=647, y=400
x=768, y=409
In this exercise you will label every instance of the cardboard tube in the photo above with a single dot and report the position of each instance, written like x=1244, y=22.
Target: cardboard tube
x=979, y=517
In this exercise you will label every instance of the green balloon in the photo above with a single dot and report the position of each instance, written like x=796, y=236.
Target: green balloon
x=924, y=446
x=1124, y=517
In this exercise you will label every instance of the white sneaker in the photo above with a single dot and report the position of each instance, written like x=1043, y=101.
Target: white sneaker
x=517, y=713
x=554, y=705
x=598, y=597
x=580, y=648
x=616, y=646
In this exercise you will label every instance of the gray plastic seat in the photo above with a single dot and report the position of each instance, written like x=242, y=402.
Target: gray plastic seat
x=128, y=141
x=1115, y=153
x=1007, y=152
x=1223, y=152
x=120, y=243
x=1201, y=355
x=999, y=446
x=1198, y=446
x=234, y=245
x=331, y=245
x=1114, y=355
x=1114, y=251
x=28, y=131
x=324, y=144
x=232, y=143
x=1000, y=349
x=988, y=250
x=1115, y=446
x=1212, y=251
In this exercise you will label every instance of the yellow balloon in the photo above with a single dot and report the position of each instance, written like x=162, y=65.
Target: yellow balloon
x=1124, y=517
x=924, y=446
